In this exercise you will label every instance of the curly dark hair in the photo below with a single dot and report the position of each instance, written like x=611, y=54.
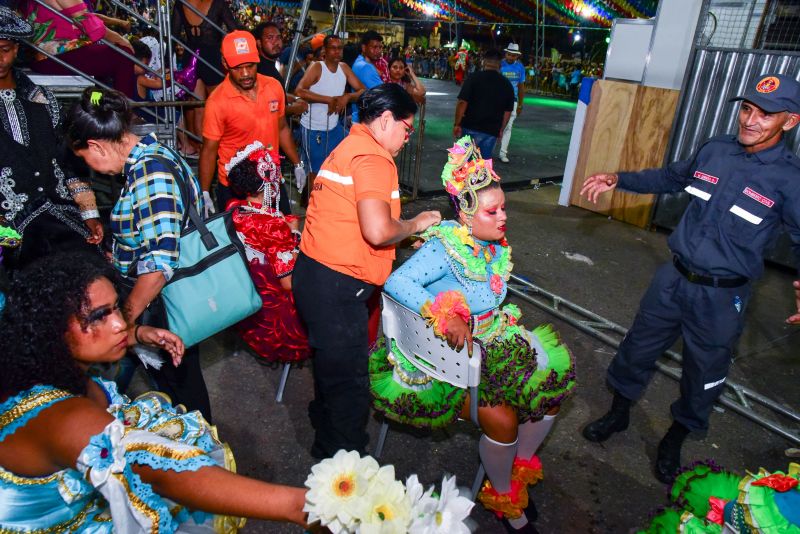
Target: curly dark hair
x=44, y=296
x=243, y=179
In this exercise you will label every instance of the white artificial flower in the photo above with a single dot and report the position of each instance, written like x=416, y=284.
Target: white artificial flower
x=422, y=503
x=337, y=489
x=387, y=509
x=443, y=516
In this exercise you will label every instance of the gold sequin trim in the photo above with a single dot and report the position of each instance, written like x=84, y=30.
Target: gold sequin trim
x=170, y=432
x=29, y=403
x=407, y=377
x=70, y=525
x=164, y=451
x=11, y=478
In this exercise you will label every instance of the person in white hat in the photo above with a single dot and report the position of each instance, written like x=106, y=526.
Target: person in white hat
x=514, y=71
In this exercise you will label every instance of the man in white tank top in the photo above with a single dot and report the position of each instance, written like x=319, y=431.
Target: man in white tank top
x=323, y=87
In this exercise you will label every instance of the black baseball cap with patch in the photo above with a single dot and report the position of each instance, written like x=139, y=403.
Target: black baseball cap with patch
x=773, y=93
x=12, y=26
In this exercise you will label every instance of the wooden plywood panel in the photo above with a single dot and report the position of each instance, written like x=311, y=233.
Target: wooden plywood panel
x=644, y=148
x=627, y=128
x=602, y=140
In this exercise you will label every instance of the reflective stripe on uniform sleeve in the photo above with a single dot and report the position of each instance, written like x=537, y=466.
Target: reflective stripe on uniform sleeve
x=395, y=194
x=746, y=215
x=335, y=177
x=697, y=192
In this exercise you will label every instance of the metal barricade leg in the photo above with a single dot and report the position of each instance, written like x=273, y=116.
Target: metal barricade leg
x=381, y=439
x=282, y=385
x=476, y=485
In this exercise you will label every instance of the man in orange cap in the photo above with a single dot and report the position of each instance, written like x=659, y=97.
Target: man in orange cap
x=317, y=41
x=246, y=107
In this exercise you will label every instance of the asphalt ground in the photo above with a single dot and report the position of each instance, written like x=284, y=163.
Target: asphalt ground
x=537, y=150
x=601, y=264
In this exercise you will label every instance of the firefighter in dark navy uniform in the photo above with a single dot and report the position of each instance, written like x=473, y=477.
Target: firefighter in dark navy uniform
x=745, y=188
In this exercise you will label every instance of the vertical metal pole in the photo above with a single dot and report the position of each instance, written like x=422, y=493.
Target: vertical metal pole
x=169, y=112
x=296, y=43
x=167, y=63
x=536, y=59
x=455, y=17
x=339, y=16
x=282, y=385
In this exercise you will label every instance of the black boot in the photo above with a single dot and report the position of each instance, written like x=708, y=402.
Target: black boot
x=668, y=461
x=616, y=420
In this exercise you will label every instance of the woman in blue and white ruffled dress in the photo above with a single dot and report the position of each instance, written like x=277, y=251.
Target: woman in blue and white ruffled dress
x=75, y=455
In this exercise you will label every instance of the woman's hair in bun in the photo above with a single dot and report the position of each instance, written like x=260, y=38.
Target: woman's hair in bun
x=100, y=114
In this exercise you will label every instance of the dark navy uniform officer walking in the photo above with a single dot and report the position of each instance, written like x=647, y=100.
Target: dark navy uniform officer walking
x=745, y=187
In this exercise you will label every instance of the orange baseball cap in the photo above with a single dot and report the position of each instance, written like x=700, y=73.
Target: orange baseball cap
x=317, y=40
x=239, y=47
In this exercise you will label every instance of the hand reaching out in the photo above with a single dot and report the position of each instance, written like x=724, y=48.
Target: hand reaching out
x=597, y=184
x=162, y=339
x=795, y=319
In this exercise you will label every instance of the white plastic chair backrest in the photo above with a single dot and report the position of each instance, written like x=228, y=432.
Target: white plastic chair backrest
x=428, y=353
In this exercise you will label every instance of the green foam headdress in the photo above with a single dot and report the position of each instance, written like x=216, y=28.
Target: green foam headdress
x=9, y=238
x=466, y=173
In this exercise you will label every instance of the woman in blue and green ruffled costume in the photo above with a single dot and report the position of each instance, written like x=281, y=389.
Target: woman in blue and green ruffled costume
x=457, y=279
x=75, y=455
x=709, y=500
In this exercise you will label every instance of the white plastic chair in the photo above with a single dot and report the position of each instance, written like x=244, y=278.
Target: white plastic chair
x=433, y=356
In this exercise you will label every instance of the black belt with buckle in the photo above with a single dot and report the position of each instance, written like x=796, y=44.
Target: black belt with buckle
x=703, y=280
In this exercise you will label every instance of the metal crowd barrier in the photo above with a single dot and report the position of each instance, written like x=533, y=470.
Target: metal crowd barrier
x=740, y=399
x=409, y=161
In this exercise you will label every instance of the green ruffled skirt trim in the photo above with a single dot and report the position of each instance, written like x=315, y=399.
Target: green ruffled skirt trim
x=750, y=508
x=509, y=375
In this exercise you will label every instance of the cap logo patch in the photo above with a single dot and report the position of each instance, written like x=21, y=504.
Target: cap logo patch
x=241, y=46
x=768, y=84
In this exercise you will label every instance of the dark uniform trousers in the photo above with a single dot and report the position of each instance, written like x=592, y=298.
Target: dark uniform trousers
x=334, y=308
x=710, y=320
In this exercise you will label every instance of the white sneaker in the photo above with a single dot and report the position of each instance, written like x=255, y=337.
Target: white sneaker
x=504, y=159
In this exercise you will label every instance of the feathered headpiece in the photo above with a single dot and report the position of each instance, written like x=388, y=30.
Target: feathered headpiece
x=466, y=172
x=268, y=169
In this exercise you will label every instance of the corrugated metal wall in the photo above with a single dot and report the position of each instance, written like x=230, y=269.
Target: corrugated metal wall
x=715, y=75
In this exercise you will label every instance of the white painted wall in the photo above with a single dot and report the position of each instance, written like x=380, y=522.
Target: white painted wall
x=671, y=44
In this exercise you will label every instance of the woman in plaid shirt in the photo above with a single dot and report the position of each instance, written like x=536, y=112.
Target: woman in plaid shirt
x=146, y=222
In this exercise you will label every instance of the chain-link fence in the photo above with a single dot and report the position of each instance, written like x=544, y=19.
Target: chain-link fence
x=751, y=24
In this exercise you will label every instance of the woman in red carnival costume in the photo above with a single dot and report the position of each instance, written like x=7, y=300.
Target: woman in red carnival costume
x=271, y=238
